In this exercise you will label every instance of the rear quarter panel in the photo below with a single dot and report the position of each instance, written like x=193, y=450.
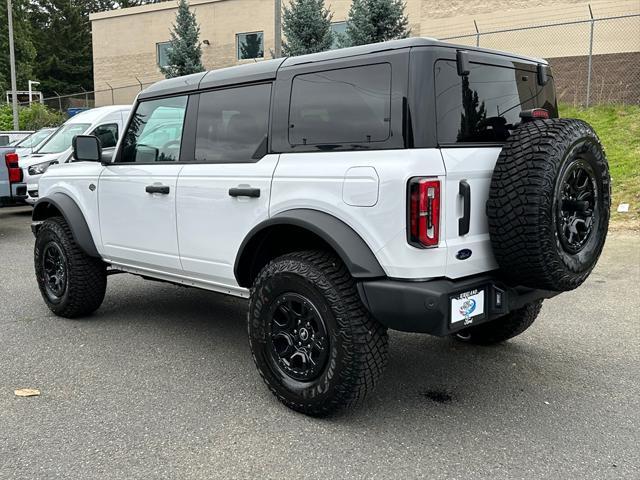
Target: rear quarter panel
x=319, y=181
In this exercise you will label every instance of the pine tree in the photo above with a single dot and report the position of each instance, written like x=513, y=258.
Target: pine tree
x=473, y=115
x=185, y=53
x=372, y=21
x=306, y=25
x=24, y=49
x=63, y=43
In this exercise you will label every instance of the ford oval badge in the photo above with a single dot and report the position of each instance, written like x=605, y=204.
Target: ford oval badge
x=463, y=254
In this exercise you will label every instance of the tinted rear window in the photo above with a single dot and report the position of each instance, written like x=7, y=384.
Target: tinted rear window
x=349, y=105
x=480, y=107
x=232, y=124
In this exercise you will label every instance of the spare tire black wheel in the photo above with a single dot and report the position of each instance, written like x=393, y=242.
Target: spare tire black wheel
x=549, y=204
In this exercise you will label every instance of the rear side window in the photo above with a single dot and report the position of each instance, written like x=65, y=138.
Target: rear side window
x=155, y=131
x=480, y=107
x=349, y=105
x=233, y=124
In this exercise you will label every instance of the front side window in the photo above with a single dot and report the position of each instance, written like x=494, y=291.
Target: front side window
x=162, y=54
x=232, y=124
x=61, y=140
x=155, y=131
x=350, y=105
x=250, y=45
x=485, y=104
x=107, y=134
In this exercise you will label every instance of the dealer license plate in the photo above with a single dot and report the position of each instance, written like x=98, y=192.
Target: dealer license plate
x=465, y=306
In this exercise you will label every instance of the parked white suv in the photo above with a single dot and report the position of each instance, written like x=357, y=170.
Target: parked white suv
x=412, y=185
x=104, y=122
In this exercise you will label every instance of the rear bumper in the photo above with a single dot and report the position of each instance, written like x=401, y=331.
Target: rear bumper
x=18, y=195
x=424, y=307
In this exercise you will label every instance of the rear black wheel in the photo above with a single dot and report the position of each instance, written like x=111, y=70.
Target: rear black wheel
x=503, y=328
x=313, y=342
x=72, y=283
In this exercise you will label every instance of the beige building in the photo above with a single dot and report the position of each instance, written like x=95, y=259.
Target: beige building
x=129, y=44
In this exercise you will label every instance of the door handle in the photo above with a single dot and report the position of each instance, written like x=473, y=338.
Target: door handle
x=244, y=192
x=463, y=223
x=163, y=189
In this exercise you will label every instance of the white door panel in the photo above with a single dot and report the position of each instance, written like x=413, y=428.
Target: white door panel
x=139, y=228
x=475, y=166
x=211, y=223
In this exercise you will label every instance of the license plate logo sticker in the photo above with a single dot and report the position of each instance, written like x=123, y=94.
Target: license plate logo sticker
x=466, y=306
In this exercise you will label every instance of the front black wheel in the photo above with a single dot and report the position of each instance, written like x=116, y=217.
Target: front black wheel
x=72, y=283
x=314, y=344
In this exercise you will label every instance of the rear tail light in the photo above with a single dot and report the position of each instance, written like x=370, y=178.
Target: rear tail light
x=424, y=212
x=15, y=172
x=534, y=114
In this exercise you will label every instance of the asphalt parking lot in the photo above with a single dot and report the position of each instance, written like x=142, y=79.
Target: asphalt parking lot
x=159, y=383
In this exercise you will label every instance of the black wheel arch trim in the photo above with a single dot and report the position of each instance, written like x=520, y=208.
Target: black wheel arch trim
x=346, y=242
x=72, y=215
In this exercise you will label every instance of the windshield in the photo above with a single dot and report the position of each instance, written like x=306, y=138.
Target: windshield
x=34, y=139
x=61, y=140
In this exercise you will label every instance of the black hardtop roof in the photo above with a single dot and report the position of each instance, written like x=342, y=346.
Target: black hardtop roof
x=267, y=69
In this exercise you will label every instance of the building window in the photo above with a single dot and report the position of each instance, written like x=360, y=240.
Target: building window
x=162, y=53
x=250, y=45
x=338, y=29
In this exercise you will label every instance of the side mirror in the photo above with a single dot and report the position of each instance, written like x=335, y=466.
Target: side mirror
x=87, y=148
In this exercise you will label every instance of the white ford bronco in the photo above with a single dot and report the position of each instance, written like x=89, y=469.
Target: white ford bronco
x=412, y=185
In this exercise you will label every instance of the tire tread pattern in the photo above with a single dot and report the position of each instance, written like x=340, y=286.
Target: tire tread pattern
x=520, y=204
x=86, y=276
x=365, y=340
x=504, y=328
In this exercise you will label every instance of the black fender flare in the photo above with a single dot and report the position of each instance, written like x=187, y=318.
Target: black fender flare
x=349, y=246
x=72, y=214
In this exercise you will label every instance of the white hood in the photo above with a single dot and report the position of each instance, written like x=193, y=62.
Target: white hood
x=36, y=158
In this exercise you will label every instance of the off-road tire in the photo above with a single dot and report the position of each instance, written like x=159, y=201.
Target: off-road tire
x=525, y=206
x=358, y=344
x=503, y=328
x=86, y=277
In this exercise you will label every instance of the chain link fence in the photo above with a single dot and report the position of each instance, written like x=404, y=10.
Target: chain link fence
x=594, y=61
x=85, y=100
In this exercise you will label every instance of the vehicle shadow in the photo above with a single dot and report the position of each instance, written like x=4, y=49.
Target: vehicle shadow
x=426, y=376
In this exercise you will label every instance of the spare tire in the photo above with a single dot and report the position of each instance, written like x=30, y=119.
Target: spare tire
x=549, y=204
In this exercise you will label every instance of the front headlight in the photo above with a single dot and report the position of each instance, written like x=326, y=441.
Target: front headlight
x=39, y=168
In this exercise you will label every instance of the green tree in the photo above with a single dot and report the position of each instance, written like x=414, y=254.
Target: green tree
x=35, y=117
x=473, y=115
x=64, y=61
x=24, y=48
x=306, y=25
x=184, y=55
x=372, y=21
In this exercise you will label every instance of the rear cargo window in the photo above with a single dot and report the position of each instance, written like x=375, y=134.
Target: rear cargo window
x=480, y=107
x=350, y=105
